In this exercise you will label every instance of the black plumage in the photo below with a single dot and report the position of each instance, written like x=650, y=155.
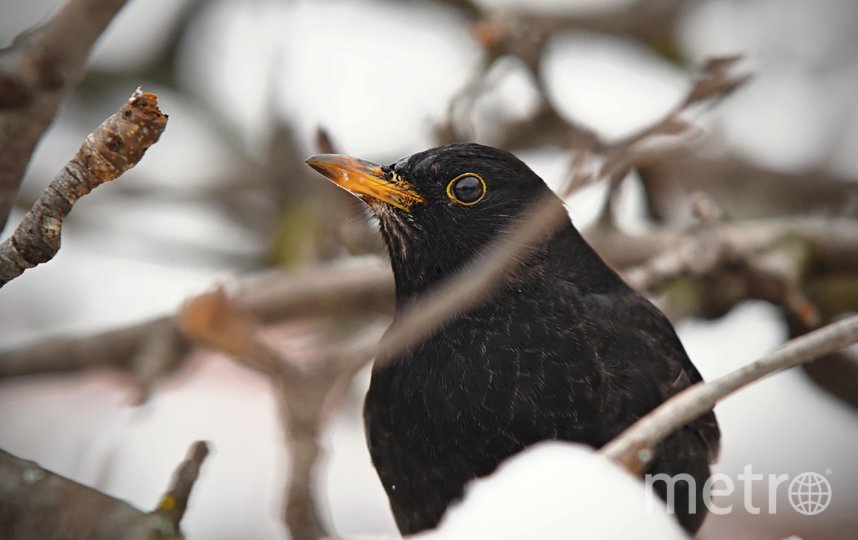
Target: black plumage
x=562, y=349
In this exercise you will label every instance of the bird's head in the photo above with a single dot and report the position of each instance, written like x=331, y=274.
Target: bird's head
x=438, y=208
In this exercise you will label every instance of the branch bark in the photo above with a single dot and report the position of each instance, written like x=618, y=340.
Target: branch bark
x=35, y=74
x=153, y=348
x=36, y=503
x=833, y=242
x=115, y=146
x=174, y=503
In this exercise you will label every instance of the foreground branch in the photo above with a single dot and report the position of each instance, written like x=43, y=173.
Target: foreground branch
x=36, y=503
x=113, y=148
x=634, y=447
x=35, y=75
x=174, y=503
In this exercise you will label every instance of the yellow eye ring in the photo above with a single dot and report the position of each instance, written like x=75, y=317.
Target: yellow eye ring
x=461, y=190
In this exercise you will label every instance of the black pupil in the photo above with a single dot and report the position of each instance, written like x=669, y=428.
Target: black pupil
x=468, y=189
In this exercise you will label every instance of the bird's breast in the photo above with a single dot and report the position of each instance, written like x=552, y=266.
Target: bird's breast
x=504, y=376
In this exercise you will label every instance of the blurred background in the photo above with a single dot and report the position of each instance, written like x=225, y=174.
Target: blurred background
x=248, y=83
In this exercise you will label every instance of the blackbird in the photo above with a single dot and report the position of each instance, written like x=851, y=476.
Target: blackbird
x=562, y=348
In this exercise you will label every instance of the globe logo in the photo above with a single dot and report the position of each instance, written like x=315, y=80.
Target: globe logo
x=809, y=493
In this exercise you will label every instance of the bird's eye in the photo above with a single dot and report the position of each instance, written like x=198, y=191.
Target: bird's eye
x=467, y=189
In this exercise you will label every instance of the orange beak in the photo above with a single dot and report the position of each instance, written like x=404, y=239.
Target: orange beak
x=366, y=180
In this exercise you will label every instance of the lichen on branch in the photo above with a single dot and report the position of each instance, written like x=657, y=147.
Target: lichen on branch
x=115, y=146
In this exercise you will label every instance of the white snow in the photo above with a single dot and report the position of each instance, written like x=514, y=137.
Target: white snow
x=558, y=490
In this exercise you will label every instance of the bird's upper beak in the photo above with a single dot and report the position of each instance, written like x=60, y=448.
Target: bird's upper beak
x=366, y=180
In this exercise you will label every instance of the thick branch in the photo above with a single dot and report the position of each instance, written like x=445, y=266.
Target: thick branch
x=113, y=148
x=341, y=290
x=35, y=74
x=634, y=446
x=36, y=503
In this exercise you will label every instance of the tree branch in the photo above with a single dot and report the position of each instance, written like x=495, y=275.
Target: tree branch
x=153, y=348
x=35, y=74
x=833, y=243
x=114, y=147
x=174, y=503
x=303, y=389
x=355, y=289
x=633, y=448
x=36, y=503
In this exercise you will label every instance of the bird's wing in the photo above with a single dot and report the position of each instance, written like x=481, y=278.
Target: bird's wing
x=643, y=359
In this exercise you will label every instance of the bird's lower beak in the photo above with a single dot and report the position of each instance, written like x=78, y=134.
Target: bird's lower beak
x=366, y=180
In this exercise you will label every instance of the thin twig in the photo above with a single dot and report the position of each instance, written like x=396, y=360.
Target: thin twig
x=634, y=445
x=115, y=146
x=36, y=72
x=174, y=503
x=833, y=242
x=715, y=81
